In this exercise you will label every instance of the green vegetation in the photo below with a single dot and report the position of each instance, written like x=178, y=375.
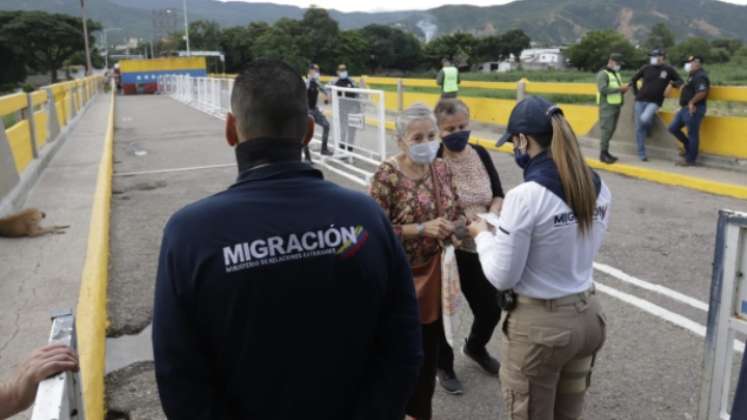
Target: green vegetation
x=39, y=42
x=317, y=38
x=9, y=120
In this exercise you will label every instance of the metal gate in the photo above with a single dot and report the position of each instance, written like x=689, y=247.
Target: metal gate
x=727, y=314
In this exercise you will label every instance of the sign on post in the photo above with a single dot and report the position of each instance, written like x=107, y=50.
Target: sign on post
x=727, y=314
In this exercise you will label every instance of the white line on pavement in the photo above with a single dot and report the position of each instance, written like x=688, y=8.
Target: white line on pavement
x=673, y=294
x=163, y=171
x=660, y=312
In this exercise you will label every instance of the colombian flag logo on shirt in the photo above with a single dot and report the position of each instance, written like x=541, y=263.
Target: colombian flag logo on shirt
x=349, y=248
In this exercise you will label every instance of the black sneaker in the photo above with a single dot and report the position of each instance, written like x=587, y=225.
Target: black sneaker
x=327, y=152
x=487, y=362
x=449, y=382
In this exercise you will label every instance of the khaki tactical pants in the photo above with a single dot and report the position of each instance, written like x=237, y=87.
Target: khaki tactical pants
x=547, y=354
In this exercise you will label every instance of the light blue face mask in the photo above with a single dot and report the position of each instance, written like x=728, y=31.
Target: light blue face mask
x=424, y=153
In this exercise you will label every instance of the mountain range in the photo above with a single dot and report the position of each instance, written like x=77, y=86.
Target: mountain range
x=546, y=21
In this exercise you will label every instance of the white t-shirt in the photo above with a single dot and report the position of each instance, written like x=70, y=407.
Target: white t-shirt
x=538, y=250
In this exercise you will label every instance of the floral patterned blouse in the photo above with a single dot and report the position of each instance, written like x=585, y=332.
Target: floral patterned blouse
x=407, y=201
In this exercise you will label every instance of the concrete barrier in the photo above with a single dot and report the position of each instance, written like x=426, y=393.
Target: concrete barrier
x=42, y=119
x=720, y=142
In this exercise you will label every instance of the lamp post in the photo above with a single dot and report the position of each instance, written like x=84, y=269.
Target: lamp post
x=89, y=68
x=106, y=45
x=186, y=27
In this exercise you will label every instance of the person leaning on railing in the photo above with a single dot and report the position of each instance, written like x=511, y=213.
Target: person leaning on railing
x=694, y=104
x=18, y=393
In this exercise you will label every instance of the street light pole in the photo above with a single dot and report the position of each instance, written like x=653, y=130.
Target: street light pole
x=89, y=68
x=106, y=45
x=186, y=26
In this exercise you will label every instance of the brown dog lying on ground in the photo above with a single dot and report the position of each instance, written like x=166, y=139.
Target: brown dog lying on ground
x=27, y=223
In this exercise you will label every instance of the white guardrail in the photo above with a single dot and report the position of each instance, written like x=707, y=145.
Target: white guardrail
x=59, y=397
x=355, y=161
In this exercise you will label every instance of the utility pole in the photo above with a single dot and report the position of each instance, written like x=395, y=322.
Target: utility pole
x=186, y=26
x=106, y=45
x=89, y=67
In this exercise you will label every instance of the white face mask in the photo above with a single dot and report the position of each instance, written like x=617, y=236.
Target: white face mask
x=424, y=153
x=616, y=67
x=688, y=67
x=654, y=61
x=343, y=74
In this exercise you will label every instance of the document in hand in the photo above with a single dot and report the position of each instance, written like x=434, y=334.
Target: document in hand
x=491, y=218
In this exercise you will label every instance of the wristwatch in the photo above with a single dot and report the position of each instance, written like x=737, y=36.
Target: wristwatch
x=420, y=229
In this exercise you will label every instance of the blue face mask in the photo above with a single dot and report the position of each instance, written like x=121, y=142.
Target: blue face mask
x=522, y=158
x=424, y=153
x=456, y=142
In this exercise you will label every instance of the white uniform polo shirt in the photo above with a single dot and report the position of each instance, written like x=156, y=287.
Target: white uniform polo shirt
x=537, y=249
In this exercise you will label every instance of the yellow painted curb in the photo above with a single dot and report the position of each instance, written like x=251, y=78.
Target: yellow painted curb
x=654, y=175
x=91, y=314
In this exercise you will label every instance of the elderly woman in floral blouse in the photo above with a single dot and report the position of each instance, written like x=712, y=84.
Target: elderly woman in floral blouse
x=417, y=193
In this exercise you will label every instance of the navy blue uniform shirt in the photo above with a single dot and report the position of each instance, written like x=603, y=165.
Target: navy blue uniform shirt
x=284, y=297
x=696, y=83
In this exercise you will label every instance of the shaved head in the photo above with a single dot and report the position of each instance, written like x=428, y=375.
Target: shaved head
x=269, y=100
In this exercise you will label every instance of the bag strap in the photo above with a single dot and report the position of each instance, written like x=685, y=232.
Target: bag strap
x=436, y=192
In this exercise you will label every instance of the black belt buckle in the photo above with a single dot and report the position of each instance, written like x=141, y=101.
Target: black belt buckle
x=507, y=300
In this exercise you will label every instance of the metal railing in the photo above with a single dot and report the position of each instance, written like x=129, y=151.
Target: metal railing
x=208, y=94
x=59, y=397
x=355, y=161
x=727, y=314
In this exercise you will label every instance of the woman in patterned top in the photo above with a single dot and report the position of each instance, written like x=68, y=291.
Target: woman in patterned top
x=480, y=191
x=407, y=186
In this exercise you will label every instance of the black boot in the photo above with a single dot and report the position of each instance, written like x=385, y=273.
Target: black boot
x=607, y=158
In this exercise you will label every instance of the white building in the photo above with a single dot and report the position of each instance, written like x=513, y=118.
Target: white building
x=531, y=59
x=543, y=59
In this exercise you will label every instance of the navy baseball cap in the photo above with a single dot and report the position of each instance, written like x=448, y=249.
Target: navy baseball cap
x=657, y=52
x=533, y=115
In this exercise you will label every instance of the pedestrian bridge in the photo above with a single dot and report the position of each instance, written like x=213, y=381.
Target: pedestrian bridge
x=116, y=167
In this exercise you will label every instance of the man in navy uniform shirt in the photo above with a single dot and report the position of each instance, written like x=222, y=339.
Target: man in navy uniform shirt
x=284, y=296
x=693, y=103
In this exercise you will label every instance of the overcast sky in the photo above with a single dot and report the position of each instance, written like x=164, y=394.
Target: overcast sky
x=380, y=5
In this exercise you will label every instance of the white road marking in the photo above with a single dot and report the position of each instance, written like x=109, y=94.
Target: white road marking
x=670, y=293
x=163, y=171
x=660, y=312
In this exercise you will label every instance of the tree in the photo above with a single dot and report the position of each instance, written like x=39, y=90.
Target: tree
x=79, y=59
x=659, y=37
x=12, y=56
x=730, y=45
x=282, y=42
x=691, y=46
x=592, y=53
x=353, y=50
x=391, y=48
x=203, y=35
x=740, y=57
x=462, y=48
x=321, y=37
x=515, y=42
x=48, y=39
x=236, y=46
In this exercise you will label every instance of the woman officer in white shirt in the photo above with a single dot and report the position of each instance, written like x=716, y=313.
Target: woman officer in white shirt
x=542, y=250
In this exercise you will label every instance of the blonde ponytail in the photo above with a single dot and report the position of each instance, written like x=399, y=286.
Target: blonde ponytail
x=575, y=174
